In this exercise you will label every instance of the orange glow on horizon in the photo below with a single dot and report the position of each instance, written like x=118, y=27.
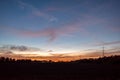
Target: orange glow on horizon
x=66, y=57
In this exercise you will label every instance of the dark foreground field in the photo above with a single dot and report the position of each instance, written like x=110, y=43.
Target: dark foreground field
x=107, y=68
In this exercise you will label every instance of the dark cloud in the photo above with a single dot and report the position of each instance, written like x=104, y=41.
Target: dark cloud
x=17, y=48
x=7, y=52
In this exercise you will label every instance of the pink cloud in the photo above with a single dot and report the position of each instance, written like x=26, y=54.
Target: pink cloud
x=56, y=32
x=50, y=33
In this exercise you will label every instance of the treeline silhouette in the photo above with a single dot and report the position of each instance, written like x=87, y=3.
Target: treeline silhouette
x=102, y=60
x=104, y=68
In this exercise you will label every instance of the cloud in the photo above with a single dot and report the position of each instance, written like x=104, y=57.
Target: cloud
x=6, y=52
x=107, y=43
x=36, y=12
x=17, y=48
x=12, y=51
x=52, y=33
x=22, y=51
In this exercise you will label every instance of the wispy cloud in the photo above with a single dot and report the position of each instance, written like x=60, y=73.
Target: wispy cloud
x=107, y=43
x=50, y=33
x=34, y=11
x=18, y=48
x=23, y=51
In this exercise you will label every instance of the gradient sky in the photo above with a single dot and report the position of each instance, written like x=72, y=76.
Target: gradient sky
x=60, y=26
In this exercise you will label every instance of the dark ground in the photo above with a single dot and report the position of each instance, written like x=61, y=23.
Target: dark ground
x=107, y=68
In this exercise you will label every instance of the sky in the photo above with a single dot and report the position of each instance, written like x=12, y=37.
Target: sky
x=55, y=27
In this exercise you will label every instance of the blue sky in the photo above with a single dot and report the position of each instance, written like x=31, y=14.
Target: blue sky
x=63, y=26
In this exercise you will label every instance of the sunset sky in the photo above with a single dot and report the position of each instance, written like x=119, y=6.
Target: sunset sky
x=59, y=27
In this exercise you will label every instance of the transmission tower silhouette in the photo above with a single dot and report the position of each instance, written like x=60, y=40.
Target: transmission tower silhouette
x=103, y=53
